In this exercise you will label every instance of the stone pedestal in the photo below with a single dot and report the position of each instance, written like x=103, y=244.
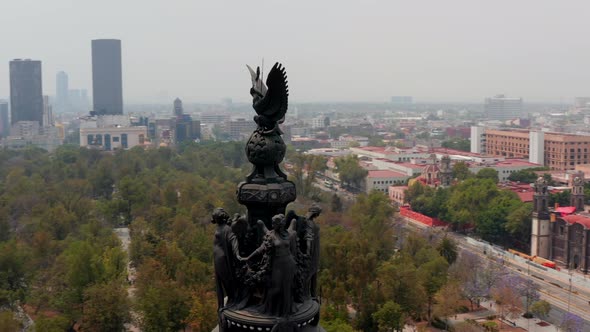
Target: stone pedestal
x=305, y=318
x=306, y=329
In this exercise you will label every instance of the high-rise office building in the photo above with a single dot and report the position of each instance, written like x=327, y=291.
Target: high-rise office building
x=26, y=92
x=4, y=124
x=61, y=93
x=47, y=113
x=178, y=110
x=502, y=108
x=107, y=86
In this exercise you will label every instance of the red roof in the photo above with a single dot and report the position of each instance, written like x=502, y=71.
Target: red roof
x=525, y=196
x=577, y=219
x=385, y=174
x=565, y=210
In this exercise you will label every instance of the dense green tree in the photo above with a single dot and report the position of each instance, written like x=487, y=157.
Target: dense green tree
x=414, y=191
x=487, y=173
x=57, y=211
x=13, y=272
x=163, y=304
x=541, y=308
x=447, y=248
x=350, y=171
x=390, y=317
x=523, y=175
x=490, y=224
x=469, y=199
x=562, y=198
x=461, y=171
x=398, y=277
x=457, y=144
x=518, y=224
x=338, y=325
x=82, y=268
x=433, y=276
x=52, y=324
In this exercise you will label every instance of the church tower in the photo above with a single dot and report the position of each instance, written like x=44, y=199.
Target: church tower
x=541, y=230
x=577, y=196
x=446, y=173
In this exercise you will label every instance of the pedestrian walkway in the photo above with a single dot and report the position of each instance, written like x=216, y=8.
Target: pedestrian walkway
x=123, y=234
x=489, y=308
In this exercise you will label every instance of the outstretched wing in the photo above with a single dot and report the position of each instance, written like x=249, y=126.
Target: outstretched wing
x=275, y=102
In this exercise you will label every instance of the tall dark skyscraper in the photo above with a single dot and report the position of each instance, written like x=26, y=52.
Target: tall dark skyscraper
x=107, y=86
x=178, y=110
x=26, y=92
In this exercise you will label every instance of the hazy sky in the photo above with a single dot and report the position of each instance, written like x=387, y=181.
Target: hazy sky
x=337, y=50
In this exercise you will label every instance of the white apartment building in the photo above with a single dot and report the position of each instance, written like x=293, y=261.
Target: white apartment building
x=113, y=138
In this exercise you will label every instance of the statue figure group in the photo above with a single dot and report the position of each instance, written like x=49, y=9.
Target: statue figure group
x=266, y=264
x=267, y=271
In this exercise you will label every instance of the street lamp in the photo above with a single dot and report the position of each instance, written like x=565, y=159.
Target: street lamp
x=569, y=295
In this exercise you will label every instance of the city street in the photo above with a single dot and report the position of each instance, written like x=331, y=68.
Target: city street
x=552, y=290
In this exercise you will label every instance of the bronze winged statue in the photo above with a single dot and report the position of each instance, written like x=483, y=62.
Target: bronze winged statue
x=270, y=101
x=266, y=271
x=265, y=148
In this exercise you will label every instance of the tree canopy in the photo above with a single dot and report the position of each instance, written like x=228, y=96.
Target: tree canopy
x=349, y=170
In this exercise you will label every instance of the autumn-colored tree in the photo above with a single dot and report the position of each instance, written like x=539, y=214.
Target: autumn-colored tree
x=203, y=308
x=8, y=323
x=447, y=300
x=106, y=307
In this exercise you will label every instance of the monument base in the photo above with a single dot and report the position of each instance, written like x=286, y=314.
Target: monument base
x=305, y=319
x=306, y=329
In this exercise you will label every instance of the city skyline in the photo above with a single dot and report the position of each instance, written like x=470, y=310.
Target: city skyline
x=335, y=51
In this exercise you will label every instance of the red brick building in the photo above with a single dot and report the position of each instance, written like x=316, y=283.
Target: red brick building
x=562, y=151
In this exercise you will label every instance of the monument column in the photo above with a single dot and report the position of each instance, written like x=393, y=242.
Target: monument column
x=265, y=265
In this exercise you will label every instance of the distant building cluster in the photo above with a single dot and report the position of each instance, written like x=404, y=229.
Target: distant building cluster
x=31, y=114
x=32, y=119
x=558, y=151
x=502, y=108
x=111, y=132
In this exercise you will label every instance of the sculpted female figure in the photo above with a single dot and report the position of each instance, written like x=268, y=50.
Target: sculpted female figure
x=225, y=252
x=312, y=249
x=279, y=251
